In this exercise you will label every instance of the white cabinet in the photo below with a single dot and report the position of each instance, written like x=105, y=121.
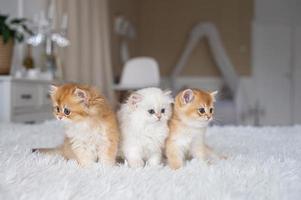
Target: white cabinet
x=24, y=101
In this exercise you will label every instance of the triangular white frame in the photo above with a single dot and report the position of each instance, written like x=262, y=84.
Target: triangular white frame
x=209, y=31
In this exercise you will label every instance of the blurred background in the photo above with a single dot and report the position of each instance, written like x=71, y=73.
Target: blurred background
x=247, y=50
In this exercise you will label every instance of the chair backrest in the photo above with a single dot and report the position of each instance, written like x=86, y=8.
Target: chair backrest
x=140, y=72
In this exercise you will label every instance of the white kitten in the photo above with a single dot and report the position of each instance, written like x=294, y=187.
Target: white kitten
x=143, y=123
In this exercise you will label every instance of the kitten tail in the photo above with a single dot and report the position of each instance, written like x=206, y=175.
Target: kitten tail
x=64, y=150
x=48, y=151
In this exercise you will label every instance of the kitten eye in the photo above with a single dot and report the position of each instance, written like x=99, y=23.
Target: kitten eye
x=66, y=111
x=151, y=111
x=163, y=110
x=57, y=109
x=202, y=110
x=211, y=110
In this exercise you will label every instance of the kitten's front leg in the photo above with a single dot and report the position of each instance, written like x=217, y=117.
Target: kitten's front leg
x=84, y=157
x=134, y=158
x=107, y=150
x=198, y=149
x=107, y=154
x=155, y=159
x=174, y=155
x=199, y=153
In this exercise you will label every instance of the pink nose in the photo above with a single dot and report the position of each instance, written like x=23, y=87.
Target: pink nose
x=158, y=116
x=60, y=117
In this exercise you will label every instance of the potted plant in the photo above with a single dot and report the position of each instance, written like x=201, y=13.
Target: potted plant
x=10, y=30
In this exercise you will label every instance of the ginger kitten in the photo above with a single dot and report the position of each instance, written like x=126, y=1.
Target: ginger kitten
x=193, y=110
x=144, y=126
x=91, y=130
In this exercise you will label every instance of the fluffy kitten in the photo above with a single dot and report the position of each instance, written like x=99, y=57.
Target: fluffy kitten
x=91, y=126
x=193, y=110
x=143, y=123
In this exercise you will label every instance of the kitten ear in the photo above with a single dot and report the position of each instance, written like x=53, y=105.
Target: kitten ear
x=52, y=89
x=187, y=96
x=169, y=96
x=81, y=94
x=167, y=92
x=134, y=98
x=213, y=95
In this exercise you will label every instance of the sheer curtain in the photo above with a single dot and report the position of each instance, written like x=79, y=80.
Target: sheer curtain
x=87, y=59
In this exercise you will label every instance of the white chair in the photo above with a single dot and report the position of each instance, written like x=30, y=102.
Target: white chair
x=138, y=73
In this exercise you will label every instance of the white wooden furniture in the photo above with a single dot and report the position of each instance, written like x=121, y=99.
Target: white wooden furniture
x=24, y=100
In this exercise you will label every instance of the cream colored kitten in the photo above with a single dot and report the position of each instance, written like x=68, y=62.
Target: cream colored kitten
x=193, y=110
x=143, y=123
x=91, y=126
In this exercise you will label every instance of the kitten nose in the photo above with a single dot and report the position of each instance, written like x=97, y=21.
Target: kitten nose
x=158, y=116
x=60, y=117
x=208, y=117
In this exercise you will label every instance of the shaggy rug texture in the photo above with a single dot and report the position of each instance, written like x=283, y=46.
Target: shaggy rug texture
x=263, y=163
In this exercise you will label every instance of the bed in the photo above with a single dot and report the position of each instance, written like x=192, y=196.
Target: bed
x=263, y=163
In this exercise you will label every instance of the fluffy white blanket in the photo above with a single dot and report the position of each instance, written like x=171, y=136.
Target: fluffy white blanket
x=264, y=163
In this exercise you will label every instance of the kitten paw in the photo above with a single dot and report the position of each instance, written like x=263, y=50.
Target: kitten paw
x=223, y=157
x=85, y=163
x=209, y=162
x=136, y=163
x=175, y=166
x=154, y=161
x=107, y=162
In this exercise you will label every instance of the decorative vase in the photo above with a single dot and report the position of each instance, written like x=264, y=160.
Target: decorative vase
x=6, y=53
x=28, y=61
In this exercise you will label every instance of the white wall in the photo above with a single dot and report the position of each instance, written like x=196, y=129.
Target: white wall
x=297, y=75
x=271, y=70
x=32, y=7
x=276, y=66
x=10, y=7
x=277, y=11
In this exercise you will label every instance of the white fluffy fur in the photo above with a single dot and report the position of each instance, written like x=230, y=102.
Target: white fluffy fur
x=88, y=146
x=190, y=140
x=263, y=163
x=143, y=134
